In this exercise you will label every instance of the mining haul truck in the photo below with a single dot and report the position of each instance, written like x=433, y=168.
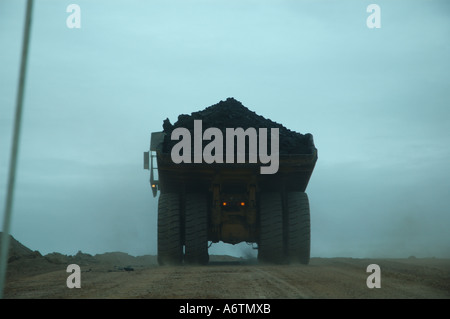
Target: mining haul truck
x=202, y=203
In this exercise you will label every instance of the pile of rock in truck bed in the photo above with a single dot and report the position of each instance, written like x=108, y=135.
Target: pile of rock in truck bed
x=232, y=114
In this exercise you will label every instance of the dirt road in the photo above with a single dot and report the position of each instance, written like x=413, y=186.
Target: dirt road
x=323, y=278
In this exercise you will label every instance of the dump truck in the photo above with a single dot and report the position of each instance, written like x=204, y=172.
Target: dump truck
x=204, y=203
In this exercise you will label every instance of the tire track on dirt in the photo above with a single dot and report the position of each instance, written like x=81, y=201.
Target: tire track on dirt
x=276, y=286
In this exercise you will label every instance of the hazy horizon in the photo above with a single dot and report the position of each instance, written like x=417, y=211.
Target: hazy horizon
x=375, y=100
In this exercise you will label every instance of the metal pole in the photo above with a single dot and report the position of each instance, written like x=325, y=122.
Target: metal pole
x=4, y=249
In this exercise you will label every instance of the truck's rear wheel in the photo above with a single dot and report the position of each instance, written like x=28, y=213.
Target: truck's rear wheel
x=270, y=245
x=170, y=249
x=196, y=229
x=298, y=227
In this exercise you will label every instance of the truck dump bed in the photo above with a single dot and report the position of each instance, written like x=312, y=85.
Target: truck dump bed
x=294, y=171
x=297, y=152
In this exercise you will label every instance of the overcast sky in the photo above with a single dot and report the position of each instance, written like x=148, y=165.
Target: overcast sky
x=377, y=102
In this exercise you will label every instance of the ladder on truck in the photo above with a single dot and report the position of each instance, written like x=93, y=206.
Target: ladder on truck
x=150, y=161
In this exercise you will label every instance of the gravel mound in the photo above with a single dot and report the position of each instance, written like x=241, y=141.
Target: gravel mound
x=232, y=114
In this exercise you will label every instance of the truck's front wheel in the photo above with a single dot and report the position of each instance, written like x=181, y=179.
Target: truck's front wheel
x=170, y=248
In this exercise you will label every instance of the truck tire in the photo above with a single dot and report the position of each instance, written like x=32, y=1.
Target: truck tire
x=196, y=229
x=270, y=244
x=170, y=248
x=298, y=228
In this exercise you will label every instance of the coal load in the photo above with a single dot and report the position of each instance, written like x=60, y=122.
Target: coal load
x=232, y=114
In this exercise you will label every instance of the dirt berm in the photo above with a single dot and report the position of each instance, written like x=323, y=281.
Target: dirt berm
x=119, y=275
